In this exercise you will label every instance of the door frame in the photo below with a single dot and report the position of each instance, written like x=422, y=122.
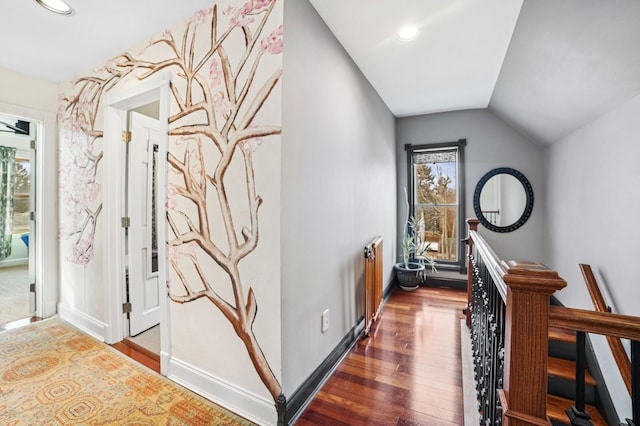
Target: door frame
x=117, y=105
x=46, y=206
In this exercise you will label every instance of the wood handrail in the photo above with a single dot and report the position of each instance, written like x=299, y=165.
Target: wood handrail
x=497, y=268
x=526, y=289
x=594, y=289
x=605, y=323
x=619, y=354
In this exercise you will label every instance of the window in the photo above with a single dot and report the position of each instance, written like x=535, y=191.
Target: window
x=21, y=195
x=436, y=197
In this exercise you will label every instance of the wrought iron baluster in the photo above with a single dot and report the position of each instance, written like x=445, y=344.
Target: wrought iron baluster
x=487, y=323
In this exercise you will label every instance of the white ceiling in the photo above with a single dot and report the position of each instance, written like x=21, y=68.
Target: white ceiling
x=546, y=67
x=452, y=64
x=56, y=48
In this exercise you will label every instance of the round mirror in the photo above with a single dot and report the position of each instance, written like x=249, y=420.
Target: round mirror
x=503, y=200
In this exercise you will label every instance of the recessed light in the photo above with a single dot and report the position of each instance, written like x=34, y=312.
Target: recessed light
x=407, y=33
x=57, y=6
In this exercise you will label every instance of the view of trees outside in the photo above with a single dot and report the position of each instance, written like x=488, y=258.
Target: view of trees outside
x=436, y=201
x=21, y=196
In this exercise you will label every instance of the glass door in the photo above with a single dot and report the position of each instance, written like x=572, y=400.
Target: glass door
x=17, y=269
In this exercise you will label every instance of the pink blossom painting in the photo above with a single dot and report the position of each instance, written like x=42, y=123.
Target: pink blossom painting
x=218, y=96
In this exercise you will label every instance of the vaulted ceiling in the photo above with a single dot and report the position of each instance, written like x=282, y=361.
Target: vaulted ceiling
x=546, y=67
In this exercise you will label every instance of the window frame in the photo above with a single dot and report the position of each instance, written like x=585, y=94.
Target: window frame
x=460, y=264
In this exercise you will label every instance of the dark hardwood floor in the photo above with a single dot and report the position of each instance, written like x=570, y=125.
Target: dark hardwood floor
x=408, y=372
x=138, y=353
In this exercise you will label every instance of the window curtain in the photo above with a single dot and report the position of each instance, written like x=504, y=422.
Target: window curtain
x=7, y=184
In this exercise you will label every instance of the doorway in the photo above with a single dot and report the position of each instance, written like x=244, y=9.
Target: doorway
x=142, y=291
x=17, y=206
x=136, y=135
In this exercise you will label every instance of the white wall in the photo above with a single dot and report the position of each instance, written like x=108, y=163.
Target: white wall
x=223, y=200
x=338, y=190
x=25, y=91
x=593, y=202
x=490, y=144
x=35, y=100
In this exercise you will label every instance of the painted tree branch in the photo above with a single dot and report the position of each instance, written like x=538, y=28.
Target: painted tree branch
x=242, y=323
x=199, y=110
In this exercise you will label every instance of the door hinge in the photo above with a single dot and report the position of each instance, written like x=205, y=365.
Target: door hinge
x=126, y=222
x=32, y=144
x=32, y=216
x=126, y=136
x=32, y=287
x=126, y=308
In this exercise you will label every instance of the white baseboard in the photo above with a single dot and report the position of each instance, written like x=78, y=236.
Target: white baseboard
x=227, y=395
x=14, y=262
x=165, y=363
x=84, y=322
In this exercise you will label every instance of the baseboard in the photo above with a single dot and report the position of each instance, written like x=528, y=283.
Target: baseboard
x=84, y=322
x=448, y=279
x=14, y=262
x=305, y=393
x=302, y=396
x=252, y=407
x=165, y=363
x=389, y=288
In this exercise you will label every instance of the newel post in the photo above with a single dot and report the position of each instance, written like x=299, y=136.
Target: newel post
x=524, y=393
x=472, y=225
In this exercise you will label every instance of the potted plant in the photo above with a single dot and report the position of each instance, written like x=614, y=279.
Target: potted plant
x=411, y=271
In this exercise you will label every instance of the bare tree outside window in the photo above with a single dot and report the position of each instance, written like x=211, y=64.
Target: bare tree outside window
x=436, y=201
x=436, y=189
x=21, y=196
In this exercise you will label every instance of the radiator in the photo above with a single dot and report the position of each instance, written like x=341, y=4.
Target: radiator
x=372, y=282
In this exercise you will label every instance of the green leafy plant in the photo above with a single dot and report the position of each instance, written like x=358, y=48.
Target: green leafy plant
x=413, y=245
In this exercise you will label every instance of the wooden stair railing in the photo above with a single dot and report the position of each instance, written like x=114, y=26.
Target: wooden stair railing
x=607, y=324
x=619, y=354
x=508, y=311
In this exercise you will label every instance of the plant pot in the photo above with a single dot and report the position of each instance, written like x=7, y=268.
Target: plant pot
x=409, y=278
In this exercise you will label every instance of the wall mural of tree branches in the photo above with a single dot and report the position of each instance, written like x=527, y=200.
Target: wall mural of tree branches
x=222, y=81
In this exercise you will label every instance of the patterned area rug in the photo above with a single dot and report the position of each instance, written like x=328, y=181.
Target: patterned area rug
x=52, y=374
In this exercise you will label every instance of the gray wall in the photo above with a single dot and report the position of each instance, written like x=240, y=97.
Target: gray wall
x=593, y=201
x=490, y=144
x=338, y=190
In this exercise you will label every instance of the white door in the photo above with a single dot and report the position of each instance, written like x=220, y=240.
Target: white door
x=142, y=238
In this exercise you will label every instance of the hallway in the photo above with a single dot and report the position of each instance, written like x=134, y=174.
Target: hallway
x=408, y=372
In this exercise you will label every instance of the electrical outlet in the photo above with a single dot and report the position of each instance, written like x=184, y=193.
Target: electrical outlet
x=325, y=320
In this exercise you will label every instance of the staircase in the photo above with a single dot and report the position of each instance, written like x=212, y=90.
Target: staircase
x=561, y=385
